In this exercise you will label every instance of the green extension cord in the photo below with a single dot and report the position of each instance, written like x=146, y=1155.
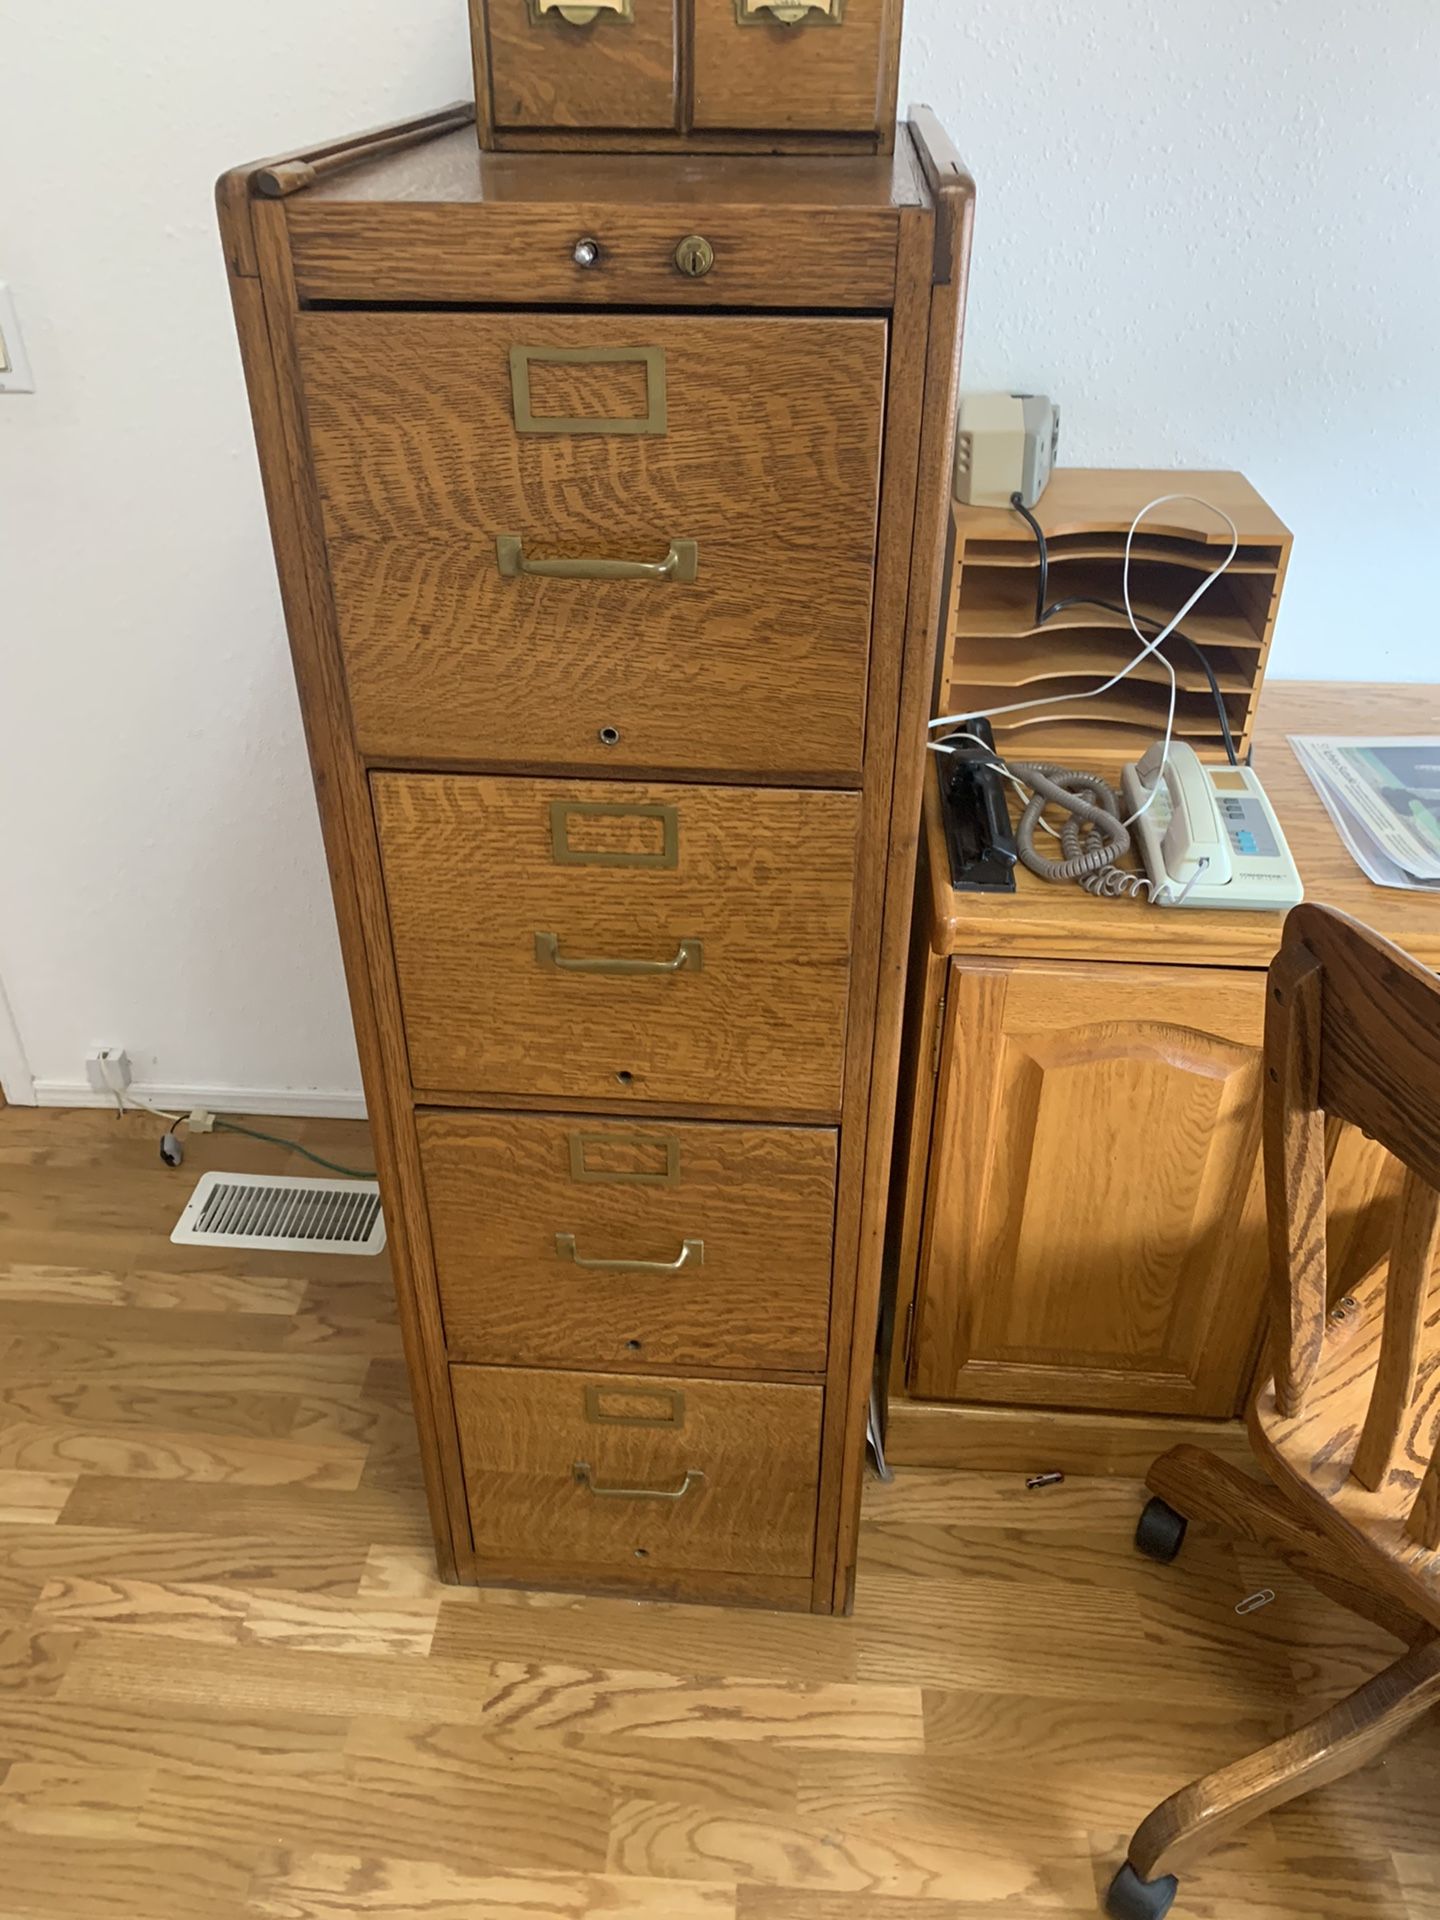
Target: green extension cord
x=274, y=1140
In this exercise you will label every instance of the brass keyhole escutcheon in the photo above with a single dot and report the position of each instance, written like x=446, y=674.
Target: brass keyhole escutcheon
x=695, y=256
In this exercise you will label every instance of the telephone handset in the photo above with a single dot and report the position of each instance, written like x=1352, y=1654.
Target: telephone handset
x=1209, y=837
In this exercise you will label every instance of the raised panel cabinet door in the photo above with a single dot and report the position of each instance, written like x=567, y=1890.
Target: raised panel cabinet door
x=616, y=542
x=1095, y=1232
x=600, y=940
x=563, y=1241
x=614, y=69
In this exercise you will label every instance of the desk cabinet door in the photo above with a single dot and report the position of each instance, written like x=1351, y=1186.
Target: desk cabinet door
x=1095, y=1233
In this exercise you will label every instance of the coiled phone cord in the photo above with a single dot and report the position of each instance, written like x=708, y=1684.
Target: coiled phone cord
x=1093, y=836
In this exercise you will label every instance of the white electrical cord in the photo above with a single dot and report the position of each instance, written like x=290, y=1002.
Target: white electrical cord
x=126, y=1101
x=1148, y=647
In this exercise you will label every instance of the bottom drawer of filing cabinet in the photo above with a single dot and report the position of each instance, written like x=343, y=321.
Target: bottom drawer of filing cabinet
x=593, y=1243
x=577, y=1474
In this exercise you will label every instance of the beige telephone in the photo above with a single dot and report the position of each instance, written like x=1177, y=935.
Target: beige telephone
x=1209, y=836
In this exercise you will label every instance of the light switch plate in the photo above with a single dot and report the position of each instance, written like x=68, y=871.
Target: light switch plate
x=15, y=375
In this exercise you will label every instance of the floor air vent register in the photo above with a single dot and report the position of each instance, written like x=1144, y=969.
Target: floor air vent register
x=286, y=1214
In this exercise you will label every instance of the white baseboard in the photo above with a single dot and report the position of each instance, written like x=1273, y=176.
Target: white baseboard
x=281, y=1102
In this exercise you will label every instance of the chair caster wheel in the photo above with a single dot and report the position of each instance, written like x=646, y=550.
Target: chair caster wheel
x=1130, y=1897
x=1161, y=1532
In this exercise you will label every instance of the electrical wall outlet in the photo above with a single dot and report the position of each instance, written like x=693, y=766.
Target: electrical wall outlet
x=108, y=1070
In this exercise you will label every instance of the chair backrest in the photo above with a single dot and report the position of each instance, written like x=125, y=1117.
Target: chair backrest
x=1352, y=1030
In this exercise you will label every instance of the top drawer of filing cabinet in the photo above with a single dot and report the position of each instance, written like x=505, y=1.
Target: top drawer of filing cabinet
x=714, y=67
x=484, y=478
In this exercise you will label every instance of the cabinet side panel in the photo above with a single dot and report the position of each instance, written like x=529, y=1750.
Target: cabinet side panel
x=925, y=364
x=264, y=305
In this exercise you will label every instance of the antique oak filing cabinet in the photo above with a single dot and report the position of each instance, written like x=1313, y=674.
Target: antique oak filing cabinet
x=608, y=495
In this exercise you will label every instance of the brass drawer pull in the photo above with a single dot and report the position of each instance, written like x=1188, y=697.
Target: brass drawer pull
x=689, y=959
x=790, y=13
x=690, y=1250
x=579, y=13
x=682, y=563
x=585, y=1475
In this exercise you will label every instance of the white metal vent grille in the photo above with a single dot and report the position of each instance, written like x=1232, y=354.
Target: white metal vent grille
x=286, y=1213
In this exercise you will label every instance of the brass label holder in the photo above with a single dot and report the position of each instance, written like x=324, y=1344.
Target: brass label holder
x=669, y=1400
x=586, y=1175
x=665, y=858
x=655, y=419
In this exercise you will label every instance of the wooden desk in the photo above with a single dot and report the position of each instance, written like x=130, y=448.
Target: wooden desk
x=1045, y=921
x=1078, y=1222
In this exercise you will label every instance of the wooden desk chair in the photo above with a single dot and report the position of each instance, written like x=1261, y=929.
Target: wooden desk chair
x=1347, y=1428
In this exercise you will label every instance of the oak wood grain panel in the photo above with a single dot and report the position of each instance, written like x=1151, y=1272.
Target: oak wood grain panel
x=611, y=72
x=770, y=462
x=1096, y=1233
x=763, y=881
x=775, y=256
x=523, y=1433
x=760, y=1201
x=813, y=76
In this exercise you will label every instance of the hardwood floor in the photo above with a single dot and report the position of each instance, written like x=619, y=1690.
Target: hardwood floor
x=231, y=1688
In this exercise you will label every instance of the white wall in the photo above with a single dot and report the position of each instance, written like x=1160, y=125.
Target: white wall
x=1209, y=231
x=162, y=885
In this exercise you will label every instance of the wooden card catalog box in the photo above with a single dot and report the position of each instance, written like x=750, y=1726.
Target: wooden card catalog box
x=724, y=74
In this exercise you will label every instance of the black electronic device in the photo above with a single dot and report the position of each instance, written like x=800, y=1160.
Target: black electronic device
x=977, y=820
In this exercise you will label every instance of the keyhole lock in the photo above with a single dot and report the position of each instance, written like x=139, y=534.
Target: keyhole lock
x=609, y=736
x=695, y=256
x=586, y=253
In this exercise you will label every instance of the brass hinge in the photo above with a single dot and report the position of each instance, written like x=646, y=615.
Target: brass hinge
x=939, y=1036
